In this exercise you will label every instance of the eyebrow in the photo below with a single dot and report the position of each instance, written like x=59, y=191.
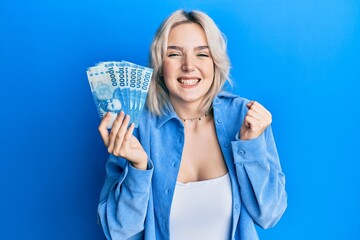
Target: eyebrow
x=195, y=48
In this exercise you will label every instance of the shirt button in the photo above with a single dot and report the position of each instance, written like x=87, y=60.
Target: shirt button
x=241, y=152
x=218, y=120
x=168, y=191
x=227, y=145
x=236, y=206
x=173, y=164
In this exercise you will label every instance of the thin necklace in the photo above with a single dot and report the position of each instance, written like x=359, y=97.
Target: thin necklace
x=195, y=118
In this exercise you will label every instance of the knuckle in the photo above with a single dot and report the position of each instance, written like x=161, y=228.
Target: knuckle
x=118, y=137
x=118, y=120
x=111, y=134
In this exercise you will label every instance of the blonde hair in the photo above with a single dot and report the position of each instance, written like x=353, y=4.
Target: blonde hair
x=158, y=99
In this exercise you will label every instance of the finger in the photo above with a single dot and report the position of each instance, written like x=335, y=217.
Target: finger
x=120, y=135
x=114, y=130
x=253, y=123
x=248, y=121
x=263, y=121
x=261, y=109
x=104, y=133
x=129, y=132
x=255, y=114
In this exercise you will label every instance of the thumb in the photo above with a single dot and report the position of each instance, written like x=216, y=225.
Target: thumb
x=103, y=129
x=249, y=104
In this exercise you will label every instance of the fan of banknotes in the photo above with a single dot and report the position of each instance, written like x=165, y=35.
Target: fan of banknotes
x=119, y=86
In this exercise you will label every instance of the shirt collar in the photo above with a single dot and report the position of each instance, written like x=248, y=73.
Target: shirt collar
x=168, y=115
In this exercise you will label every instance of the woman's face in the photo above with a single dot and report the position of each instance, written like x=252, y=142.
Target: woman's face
x=113, y=105
x=188, y=67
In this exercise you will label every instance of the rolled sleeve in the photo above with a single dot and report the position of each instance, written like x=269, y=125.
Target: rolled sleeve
x=139, y=180
x=247, y=151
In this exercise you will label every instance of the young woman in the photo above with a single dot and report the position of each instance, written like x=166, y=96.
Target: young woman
x=203, y=163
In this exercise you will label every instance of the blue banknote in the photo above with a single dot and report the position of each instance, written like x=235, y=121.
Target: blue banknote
x=119, y=86
x=122, y=73
x=136, y=74
x=145, y=86
x=132, y=87
x=105, y=91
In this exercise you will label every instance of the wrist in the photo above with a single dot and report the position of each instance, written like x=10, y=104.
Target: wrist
x=140, y=166
x=242, y=135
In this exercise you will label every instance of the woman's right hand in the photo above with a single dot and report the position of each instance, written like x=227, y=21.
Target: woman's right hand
x=121, y=142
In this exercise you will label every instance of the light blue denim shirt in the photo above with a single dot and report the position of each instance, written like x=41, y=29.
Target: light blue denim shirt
x=135, y=204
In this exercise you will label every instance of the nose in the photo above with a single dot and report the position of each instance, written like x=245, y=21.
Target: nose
x=188, y=64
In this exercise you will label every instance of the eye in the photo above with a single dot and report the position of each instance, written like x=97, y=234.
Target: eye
x=203, y=55
x=174, y=54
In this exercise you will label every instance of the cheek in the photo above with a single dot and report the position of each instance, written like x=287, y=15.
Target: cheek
x=167, y=70
x=209, y=70
x=168, y=82
x=165, y=73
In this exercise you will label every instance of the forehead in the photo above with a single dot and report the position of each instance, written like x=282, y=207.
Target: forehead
x=187, y=33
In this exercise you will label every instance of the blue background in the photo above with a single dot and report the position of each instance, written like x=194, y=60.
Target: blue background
x=300, y=58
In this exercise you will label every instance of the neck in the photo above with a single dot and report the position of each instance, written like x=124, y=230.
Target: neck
x=188, y=111
x=191, y=114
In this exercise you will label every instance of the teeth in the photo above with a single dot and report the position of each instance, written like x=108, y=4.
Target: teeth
x=189, y=82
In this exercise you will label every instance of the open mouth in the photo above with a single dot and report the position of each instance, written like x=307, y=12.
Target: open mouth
x=188, y=81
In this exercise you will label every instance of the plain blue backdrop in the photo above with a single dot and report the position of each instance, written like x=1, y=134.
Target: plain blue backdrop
x=299, y=58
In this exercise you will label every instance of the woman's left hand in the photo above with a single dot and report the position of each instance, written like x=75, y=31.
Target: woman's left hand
x=256, y=121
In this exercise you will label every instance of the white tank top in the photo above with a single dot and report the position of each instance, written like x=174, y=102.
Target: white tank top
x=202, y=210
